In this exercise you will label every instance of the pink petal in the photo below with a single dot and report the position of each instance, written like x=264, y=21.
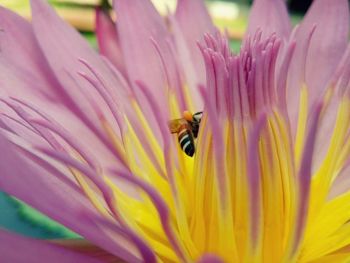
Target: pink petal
x=192, y=21
x=108, y=40
x=108, y=197
x=325, y=132
x=138, y=22
x=304, y=177
x=23, y=84
x=296, y=77
x=328, y=44
x=254, y=181
x=63, y=46
x=321, y=41
x=271, y=16
x=24, y=71
x=22, y=177
x=341, y=184
x=193, y=75
x=23, y=67
x=18, y=249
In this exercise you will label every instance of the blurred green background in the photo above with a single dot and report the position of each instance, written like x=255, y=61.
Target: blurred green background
x=16, y=216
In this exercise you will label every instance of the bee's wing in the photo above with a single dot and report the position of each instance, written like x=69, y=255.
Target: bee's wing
x=174, y=125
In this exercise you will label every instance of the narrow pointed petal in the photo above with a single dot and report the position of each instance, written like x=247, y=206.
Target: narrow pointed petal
x=328, y=44
x=63, y=46
x=254, y=179
x=271, y=16
x=138, y=22
x=108, y=40
x=193, y=75
x=329, y=41
x=304, y=178
x=20, y=52
x=341, y=184
x=17, y=249
x=65, y=49
x=21, y=177
x=193, y=21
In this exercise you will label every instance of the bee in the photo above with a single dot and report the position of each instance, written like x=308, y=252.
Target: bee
x=187, y=130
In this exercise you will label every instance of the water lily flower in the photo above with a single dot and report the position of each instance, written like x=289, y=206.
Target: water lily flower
x=85, y=138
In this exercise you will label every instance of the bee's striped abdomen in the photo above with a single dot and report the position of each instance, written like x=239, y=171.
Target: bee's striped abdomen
x=186, y=140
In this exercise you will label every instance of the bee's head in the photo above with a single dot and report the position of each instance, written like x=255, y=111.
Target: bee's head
x=197, y=117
